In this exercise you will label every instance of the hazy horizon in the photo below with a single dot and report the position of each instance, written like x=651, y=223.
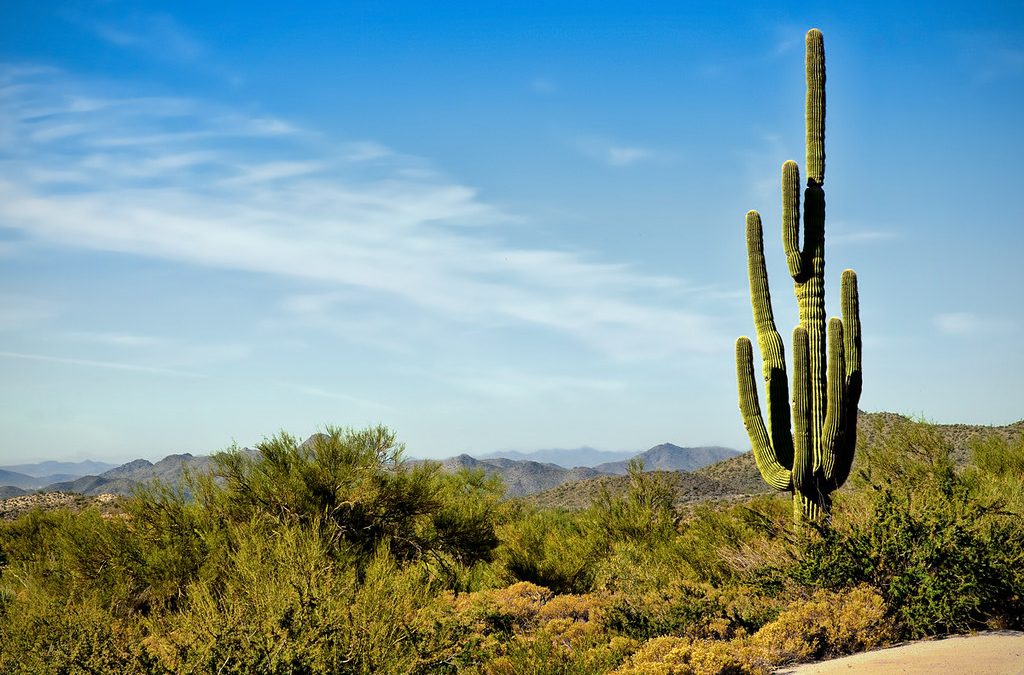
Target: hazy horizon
x=488, y=227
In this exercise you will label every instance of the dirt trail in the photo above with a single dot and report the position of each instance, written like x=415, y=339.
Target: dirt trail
x=995, y=653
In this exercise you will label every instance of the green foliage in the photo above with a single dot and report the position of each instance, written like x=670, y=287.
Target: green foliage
x=41, y=633
x=644, y=514
x=336, y=557
x=355, y=484
x=825, y=624
x=945, y=557
x=555, y=549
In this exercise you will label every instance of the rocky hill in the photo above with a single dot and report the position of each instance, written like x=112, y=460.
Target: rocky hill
x=669, y=457
x=123, y=479
x=13, y=507
x=521, y=477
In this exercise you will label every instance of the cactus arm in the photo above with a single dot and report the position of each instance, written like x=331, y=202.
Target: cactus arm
x=791, y=218
x=851, y=324
x=760, y=294
x=832, y=433
x=803, y=461
x=815, y=65
x=775, y=475
x=769, y=341
x=852, y=349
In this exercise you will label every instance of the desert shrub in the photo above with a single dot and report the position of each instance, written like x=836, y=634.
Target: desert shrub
x=355, y=484
x=525, y=628
x=131, y=563
x=289, y=605
x=550, y=651
x=515, y=608
x=736, y=544
x=685, y=656
x=554, y=549
x=1000, y=456
x=643, y=514
x=41, y=633
x=945, y=557
x=685, y=608
x=826, y=624
x=680, y=608
x=998, y=471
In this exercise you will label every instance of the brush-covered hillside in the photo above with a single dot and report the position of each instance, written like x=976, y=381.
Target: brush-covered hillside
x=738, y=475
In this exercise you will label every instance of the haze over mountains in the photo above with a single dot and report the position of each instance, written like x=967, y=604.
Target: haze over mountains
x=582, y=456
x=692, y=473
x=522, y=473
x=41, y=474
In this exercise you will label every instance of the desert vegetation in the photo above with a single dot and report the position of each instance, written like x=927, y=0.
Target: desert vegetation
x=337, y=556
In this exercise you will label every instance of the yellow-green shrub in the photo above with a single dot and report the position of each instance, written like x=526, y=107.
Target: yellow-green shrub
x=826, y=624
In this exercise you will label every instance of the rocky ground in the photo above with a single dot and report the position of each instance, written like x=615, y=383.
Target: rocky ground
x=15, y=506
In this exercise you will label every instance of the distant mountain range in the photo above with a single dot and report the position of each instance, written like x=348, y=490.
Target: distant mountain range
x=69, y=469
x=41, y=474
x=692, y=473
x=521, y=476
x=117, y=480
x=583, y=456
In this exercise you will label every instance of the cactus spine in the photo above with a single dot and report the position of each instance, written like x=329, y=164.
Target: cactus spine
x=814, y=458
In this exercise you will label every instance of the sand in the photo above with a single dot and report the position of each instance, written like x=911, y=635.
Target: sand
x=994, y=653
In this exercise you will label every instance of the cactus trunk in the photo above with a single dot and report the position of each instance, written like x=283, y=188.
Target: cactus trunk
x=814, y=458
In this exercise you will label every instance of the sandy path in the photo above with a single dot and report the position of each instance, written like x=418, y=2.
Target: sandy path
x=996, y=653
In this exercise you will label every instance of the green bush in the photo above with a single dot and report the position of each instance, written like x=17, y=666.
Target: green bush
x=945, y=557
x=355, y=484
x=549, y=548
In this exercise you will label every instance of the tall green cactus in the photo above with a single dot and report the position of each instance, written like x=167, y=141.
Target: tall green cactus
x=814, y=458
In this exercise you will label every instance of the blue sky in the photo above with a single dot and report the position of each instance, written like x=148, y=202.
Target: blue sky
x=487, y=225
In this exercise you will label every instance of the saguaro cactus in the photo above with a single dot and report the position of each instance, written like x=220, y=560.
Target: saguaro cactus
x=814, y=458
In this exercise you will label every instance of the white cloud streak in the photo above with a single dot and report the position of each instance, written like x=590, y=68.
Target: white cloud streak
x=966, y=323
x=615, y=154
x=180, y=180
x=89, y=363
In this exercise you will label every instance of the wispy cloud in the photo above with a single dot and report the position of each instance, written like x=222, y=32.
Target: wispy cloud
x=158, y=35
x=320, y=392
x=965, y=323
x=89, y=363
x=616, y=154
x=840, y=234
x=160, y=352
x=18, y=312
x=118, y=339
x=167, y=178
x=506, y=383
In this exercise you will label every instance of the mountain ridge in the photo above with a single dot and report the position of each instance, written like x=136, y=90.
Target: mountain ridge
x=521, y=477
